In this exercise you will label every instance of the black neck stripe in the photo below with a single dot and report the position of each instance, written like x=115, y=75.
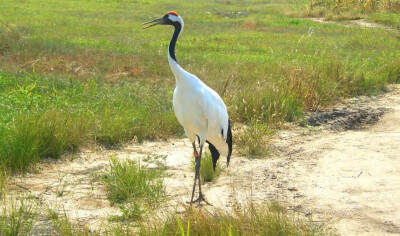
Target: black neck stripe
x=171, y=48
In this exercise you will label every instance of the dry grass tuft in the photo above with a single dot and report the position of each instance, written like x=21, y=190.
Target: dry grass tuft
x=266, y=219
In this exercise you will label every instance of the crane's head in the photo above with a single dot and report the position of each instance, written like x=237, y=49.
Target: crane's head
x=171, y=18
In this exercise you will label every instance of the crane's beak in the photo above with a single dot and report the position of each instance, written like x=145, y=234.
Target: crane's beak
x=158, y=21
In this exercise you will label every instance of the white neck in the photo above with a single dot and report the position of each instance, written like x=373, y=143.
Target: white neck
x=178, y=72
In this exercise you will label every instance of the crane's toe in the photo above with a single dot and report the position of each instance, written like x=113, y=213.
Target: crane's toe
x=199, y=200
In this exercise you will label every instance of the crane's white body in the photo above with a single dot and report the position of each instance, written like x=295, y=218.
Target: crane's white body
x=199, y=109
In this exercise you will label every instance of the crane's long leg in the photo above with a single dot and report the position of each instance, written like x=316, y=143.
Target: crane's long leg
x=197, y=173
x=201, y=197
x=194, y=188
x=197, y=177
x=194, y=149
x=196, y=154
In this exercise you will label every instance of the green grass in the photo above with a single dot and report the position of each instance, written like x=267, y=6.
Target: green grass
x=63, y=225
x=253, y=140
x=267, y=219
x=3, y=179
x=74, y=73
x=46, y=117
x=207, y=174
x=130, y=179
x=386, y=18
x=134, y=187
x=16, y=216
x=264, y=219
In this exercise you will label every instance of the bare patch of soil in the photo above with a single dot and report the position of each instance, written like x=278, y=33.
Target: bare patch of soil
x=346, y=118
x=345, y=174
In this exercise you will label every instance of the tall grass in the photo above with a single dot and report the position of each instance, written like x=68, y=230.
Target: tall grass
x=353, y=9
x=253, y=139
x=16, y=216
x=364, y=6
x=268, y=219
x=43, y=118
x=34, y=136
x=3, y=179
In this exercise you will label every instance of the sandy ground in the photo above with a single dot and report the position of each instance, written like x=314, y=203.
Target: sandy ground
x=353, y=176
x=348, y=179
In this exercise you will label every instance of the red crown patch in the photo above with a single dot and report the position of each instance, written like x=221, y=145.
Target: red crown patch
x=173, y=13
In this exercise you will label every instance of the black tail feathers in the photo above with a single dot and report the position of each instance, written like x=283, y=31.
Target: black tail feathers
x=214, y=154
x=229, y=142
x=214, y=151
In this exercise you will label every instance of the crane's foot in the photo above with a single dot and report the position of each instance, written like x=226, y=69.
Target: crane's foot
x=199, y=200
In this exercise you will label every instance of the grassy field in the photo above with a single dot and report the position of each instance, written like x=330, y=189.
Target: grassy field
x=76, y=73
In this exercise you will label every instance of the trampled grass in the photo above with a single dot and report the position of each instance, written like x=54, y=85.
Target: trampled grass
x=89, y=69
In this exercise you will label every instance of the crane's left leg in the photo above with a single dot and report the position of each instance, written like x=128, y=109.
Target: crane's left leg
x=195, y=153
x=197, y=177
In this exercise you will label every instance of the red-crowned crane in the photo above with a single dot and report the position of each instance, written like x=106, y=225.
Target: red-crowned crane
x=198, y=108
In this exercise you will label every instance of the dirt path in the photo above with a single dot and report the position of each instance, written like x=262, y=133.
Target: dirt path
x=355, y=23
x=354, y=176
x=346, y=178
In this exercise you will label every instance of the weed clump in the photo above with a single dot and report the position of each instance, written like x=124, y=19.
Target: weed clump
x=253, y=139
x=130, y=179
x=134, y=187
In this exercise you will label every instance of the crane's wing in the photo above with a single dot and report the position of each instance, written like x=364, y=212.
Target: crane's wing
x=219, y=132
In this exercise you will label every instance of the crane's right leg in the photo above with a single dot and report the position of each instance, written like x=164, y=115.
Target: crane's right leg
x=196, y=175
x=196, y=154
